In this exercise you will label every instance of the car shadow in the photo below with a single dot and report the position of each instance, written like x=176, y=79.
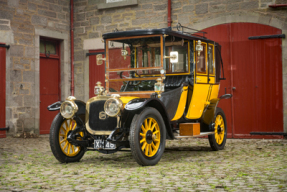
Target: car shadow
x=124, y=159
x=197, y=148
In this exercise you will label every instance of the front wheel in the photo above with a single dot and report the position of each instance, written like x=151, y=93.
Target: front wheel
x=218, y=139
x=63, y=150
x=147, y=137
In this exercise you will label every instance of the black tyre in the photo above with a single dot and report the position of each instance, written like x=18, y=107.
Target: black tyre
x=218, y=139
x=147, y=137
x=61, y=148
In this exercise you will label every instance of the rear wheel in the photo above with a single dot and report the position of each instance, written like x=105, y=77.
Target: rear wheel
x=63, y=150
x=218, y=139
x=147, y=137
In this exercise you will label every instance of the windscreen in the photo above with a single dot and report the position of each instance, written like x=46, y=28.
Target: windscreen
x=138, y=62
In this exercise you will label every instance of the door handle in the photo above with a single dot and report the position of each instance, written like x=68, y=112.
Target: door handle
x=233, y=88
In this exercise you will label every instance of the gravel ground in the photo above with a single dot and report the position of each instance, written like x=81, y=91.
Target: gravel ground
x=186, y=165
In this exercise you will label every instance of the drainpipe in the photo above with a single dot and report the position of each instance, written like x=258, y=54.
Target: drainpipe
x=169, y=13
x=72, y=47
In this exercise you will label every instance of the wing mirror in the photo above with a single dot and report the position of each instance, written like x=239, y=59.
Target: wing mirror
x=100, y=59
x=173, y=57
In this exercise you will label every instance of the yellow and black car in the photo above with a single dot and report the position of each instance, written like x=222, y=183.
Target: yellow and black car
x=160, y=84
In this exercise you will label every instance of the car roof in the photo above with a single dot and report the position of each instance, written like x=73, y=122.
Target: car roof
x=167, y=31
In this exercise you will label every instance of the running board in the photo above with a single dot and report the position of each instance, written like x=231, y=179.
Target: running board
x=201, y=135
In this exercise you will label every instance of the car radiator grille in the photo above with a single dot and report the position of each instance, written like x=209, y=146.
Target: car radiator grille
x=98, y=120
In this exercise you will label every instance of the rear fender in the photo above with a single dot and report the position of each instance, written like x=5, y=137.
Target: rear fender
x=139, y=104
x=209, y=113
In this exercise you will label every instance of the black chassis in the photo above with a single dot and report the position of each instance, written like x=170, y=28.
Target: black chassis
x=133, y=107
x=117, y=135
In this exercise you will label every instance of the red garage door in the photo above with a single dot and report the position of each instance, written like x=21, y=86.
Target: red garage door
x=253, y=69
x=2, y=89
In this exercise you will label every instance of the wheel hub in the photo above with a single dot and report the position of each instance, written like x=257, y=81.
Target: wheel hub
x=149, y=137
x=219, y=129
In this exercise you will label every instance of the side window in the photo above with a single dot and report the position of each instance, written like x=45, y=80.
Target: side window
x=211, y=62
x=201, y=60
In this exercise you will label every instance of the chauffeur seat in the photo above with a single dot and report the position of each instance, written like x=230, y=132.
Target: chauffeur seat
x=175, y=81
x=170, y=83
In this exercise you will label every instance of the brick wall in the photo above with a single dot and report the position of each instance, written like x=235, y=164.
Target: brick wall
x=18, y=21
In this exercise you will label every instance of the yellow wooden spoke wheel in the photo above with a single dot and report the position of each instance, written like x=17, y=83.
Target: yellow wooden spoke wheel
x=219, y=129
x=150, y=137
x=61, y=148
x=218, y=139
x=66, y=147
x=147, y=137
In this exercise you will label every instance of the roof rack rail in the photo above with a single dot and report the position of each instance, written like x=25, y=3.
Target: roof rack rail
x=179, y=27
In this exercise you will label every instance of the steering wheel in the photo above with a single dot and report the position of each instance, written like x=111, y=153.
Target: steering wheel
x=131, y=83
x=136, y=83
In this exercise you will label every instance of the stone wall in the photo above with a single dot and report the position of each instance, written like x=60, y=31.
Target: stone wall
x=19, y=19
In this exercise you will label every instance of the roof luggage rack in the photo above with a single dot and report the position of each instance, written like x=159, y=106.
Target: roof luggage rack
x=180, y=28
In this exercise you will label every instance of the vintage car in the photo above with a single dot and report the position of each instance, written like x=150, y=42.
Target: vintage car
x=159, y=84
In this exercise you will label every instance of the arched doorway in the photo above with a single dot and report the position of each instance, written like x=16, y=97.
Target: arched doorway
x=253, y=69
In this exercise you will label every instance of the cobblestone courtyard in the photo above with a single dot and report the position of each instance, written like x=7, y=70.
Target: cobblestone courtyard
x=186, y=165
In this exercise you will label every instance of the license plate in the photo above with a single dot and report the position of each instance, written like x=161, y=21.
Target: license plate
x=102, y=144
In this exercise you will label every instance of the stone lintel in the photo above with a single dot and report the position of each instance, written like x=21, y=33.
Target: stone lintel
x=117, y=4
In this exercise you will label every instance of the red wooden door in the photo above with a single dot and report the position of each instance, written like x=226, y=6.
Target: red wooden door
x=49, y=88
x=96, y=72
x=255, y=75
x=2, y=90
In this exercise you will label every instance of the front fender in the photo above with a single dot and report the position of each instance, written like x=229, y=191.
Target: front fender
x=55, y=106
x=138, y=104
x=81, y=108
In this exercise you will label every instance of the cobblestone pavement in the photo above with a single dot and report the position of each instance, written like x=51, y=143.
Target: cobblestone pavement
x=186, y=165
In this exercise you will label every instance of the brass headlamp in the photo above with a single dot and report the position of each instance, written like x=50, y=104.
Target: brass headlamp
x=69, y=108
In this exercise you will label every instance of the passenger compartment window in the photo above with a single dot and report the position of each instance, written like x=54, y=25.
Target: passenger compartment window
x=201, y=60
x=211, y=63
